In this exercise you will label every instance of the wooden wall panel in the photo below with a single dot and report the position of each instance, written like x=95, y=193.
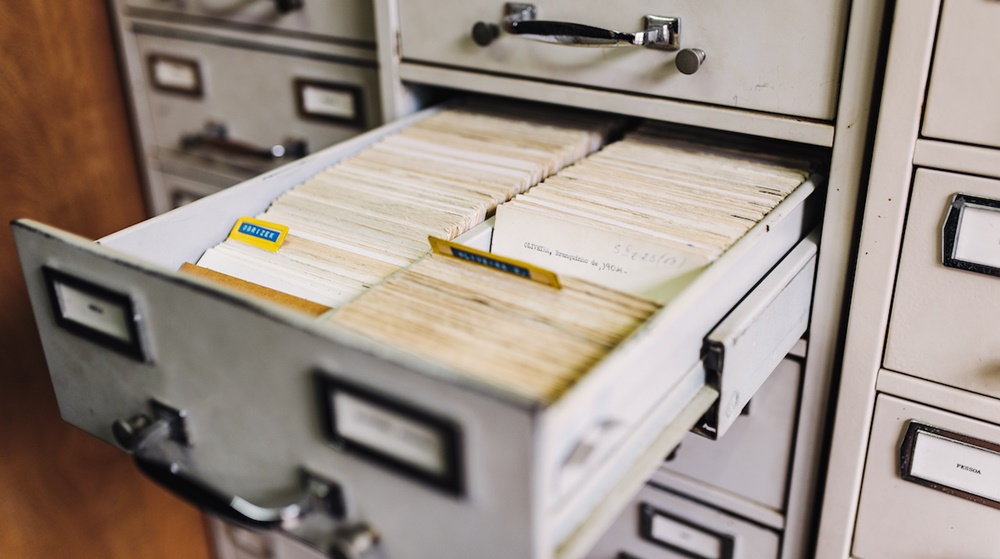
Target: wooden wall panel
x=66, y=159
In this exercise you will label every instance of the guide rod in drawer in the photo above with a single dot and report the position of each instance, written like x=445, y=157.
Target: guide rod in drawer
x=743, y=350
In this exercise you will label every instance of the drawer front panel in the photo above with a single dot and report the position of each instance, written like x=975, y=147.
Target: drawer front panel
x=965, y=78
x=899, y=518
x=351, y=20
x=247, y=383
x=201, y=92
x=662, y=524
x=781, y=58
x=179, y=191
x=944, y=325
x=752, y=460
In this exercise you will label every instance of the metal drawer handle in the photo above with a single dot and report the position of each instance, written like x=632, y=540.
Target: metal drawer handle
x=154, y=446
x=231, y=507
x=660, y=32
x=215, y=135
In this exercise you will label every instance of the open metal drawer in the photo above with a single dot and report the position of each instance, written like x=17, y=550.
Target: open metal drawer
x=243, y=374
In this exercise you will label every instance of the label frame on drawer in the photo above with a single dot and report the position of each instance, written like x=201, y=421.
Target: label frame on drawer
x=647, y=514
x=953, y=229
x=446, y=432
x=907, y=450
x=355, y=92
x=196, y=90
x=131, y=346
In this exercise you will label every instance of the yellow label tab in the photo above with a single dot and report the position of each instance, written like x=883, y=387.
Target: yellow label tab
x=490, y=260
x=259, y=233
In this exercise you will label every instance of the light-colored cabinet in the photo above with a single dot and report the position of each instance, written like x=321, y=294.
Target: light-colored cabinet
x=223, y=91
x=912, y=462
x=801, y=83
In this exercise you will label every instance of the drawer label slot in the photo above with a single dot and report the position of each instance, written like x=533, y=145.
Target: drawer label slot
x=684, y=536
x=328, y=101
x=103, y=316
x=971, y=235
x=953, y=463
x=175, y=75
x=391, y=433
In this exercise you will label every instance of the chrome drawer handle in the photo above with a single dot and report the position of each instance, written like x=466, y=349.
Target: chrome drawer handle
x=215, y=136
x=157, y=452
x=660, y=32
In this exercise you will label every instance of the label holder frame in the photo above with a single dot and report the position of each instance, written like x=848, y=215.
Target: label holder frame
x=356, y=92
x=907, y=447
x=647, y=512
x=134, y=349
x=196, y=92
x=952, y=229
x=452, y=481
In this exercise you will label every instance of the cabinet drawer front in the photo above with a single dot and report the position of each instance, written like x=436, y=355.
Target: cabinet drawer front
x=780, y=58
x=352, y=20
x=944, y=325
x=661, y=523
x=752, y=460
x=260, y=99
x=965, y=77
x=895, y=516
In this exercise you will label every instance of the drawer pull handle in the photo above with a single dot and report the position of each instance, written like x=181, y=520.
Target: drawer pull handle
x=215, y=136
x=660, y=32
x=157, y=452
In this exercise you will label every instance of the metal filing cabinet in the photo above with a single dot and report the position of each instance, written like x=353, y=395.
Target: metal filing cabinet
x=913, y=469
x=223, y=91
x=259, y=441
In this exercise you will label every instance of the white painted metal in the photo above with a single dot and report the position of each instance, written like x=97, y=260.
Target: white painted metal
x=344, y=20
x=897, y=518
x=965, y=78
x=939, y=396
x=180, y=191
x=944, y=325
x=711, y=116
x=975, y=160
x=885, y=206
x=754, y=459
x=784, y=58
x=399, y=98
x=524, y=441
x=175, y=19
x=252, y=93
x=761, y=330
x=750, y=541
x=844, y=188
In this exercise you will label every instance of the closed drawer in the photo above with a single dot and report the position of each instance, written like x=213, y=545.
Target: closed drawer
x=780, y=58
x=944, y=324
x=351, y=20
x=965, y=77
x=179, y=191
x=216, y=103
x=918, y=517
x=661, y=523
x=753, y=459
x=230, y=541
x=257, y=418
